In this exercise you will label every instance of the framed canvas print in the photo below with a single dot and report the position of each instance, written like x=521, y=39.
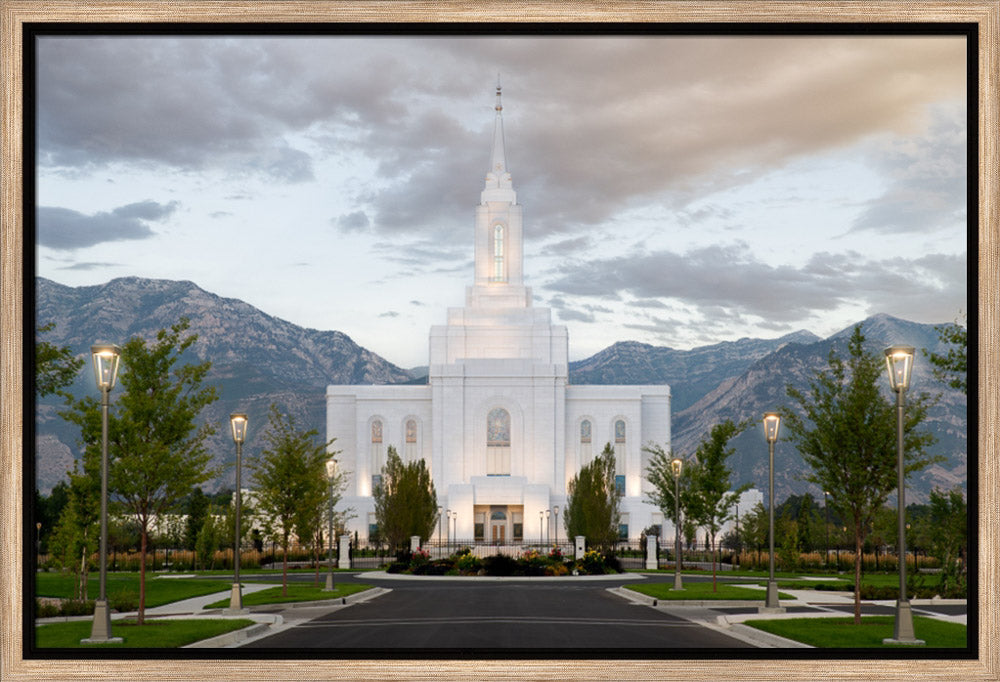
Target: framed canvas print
x=563, y=340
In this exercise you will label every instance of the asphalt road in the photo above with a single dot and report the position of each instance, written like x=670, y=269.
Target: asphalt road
x=474, y=617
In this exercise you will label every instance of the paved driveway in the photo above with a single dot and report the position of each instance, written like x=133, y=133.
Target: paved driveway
x=472, y=617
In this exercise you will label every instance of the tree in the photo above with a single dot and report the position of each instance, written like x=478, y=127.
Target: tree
x=405, y=501
x=55, y=366
x=592, y=502
x=156, y=452
x=711, y=503
x=845, y=429
x=288, y=478
x=949, y=537
x=195, y=508
x=952, y=367
x=661, y=476
x=75, y=537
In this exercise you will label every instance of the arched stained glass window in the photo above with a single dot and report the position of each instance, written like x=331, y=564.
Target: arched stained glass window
x=498, y=442
x=498, y=427
x=411, y=431
x=585, y=431
x=376, y=431
x=620, y=431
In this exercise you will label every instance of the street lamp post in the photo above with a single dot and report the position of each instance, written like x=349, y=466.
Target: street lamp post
x=448, y=531
x=331, y=476
x=541, y=536
x=772, y=422
x=676, y=464
x=38, y=542
x=440, y=536
x=238, y=422
x=826, y=506
x=737, y=560
x=106, y=359
x=899, y=362
x=556, y=510
x=547, y=535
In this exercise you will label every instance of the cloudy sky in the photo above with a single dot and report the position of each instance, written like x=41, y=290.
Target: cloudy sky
x=678, y=191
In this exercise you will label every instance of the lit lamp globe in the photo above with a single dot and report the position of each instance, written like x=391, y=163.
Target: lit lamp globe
x=106, y=358
x=899, y=362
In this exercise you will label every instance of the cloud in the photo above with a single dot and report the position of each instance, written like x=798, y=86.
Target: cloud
x=356, y=221
x=83, y=267
x=726, y=283
x=594, y=125
x=65, y=229
x=927, y=179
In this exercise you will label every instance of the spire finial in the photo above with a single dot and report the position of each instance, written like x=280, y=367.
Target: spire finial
x=499, y=107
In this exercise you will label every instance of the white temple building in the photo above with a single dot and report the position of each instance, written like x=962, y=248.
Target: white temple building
x=498, y=423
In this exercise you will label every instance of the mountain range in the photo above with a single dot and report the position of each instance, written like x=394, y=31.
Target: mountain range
x=258, y=359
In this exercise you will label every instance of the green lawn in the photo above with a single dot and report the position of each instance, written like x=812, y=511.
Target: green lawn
x=843, y=633
x=159, y=591
x=701, y=591
x=160, y=634
x=296, y=592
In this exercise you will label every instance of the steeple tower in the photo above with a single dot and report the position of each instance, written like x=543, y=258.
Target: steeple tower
x=498, y=235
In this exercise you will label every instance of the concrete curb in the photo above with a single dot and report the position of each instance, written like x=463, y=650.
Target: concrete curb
x=646, y=600
x=355, y=598
x=230, y=638
x=382, y=575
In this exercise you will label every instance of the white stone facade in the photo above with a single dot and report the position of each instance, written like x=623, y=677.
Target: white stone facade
x=498, y=424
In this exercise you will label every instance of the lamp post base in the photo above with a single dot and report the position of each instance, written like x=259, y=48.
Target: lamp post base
x=329, y=583
x=771, y=602
x=236, y=602
x=100, y=633
x=903, y=630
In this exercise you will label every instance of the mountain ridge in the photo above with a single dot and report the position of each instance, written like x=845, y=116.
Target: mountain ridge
x=259, y=359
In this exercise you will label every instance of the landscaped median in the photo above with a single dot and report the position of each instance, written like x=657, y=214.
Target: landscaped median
x=296, y=593
x=843, y=633
x=702, y=592
x=161, y=633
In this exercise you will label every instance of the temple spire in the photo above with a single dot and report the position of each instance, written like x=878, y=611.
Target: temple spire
x=498, y=161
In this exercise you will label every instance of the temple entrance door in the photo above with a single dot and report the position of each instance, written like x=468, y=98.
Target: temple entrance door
x=498, y=526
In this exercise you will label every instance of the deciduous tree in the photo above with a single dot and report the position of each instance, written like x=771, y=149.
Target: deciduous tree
x=288, y=478
x=845, y=428
x=712, y=497
x=156, y=449
x=405, y=501
x=952, y=367
x=592, y=502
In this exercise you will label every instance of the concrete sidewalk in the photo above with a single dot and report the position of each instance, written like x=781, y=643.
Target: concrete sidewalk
x=821, y=605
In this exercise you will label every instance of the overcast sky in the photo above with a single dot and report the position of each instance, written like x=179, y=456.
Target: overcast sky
x=676, y=191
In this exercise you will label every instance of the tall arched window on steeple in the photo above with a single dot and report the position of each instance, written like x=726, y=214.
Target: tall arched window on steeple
x=498, y=237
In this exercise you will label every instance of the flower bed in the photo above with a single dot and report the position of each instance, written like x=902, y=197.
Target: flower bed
x=531, y=563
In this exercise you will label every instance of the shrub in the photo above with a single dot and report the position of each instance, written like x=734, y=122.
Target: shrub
x=500, y=565
x=398, y=567
x=45, y=609
x=77, y=607
x=468, y=563
x=123, y=600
